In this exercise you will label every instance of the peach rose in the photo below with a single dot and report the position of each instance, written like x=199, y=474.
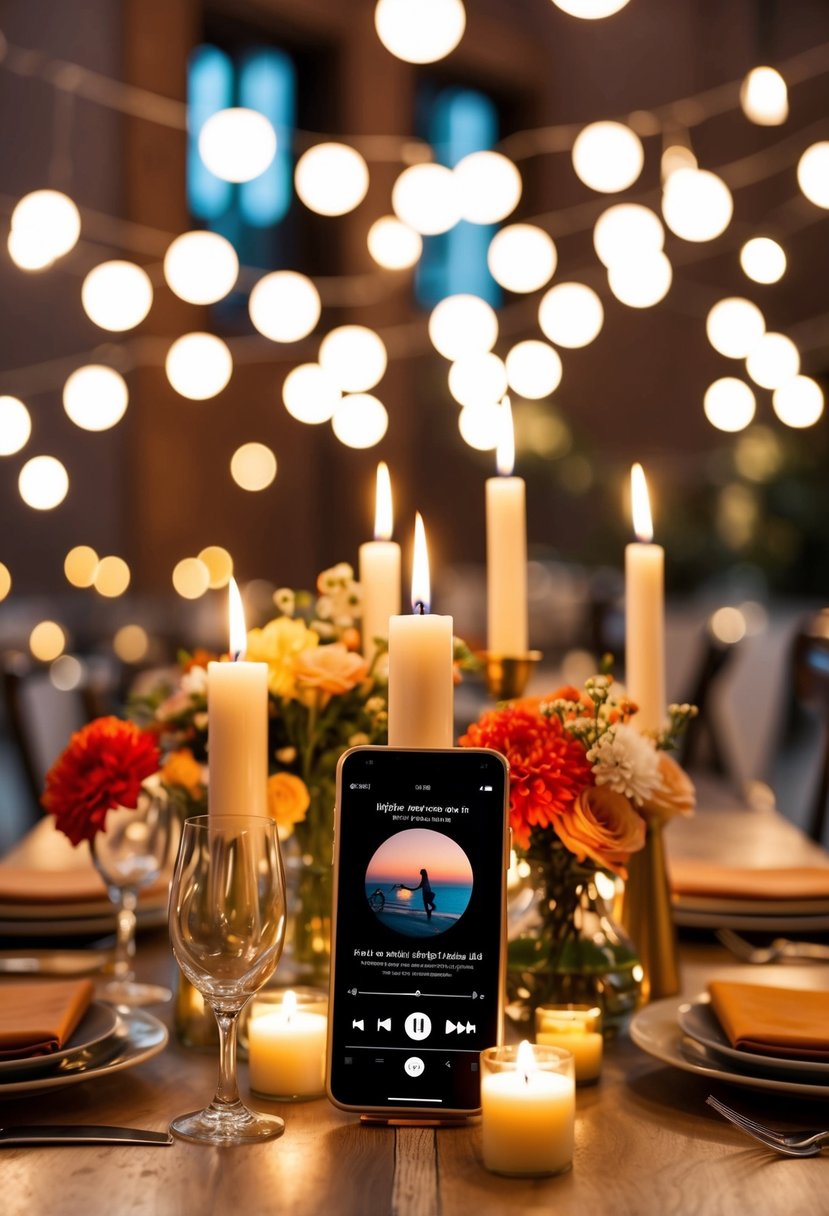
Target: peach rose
x=603, y=825
x=183, y=769
x=288, y=801
x=675, y=794
x=332, y=669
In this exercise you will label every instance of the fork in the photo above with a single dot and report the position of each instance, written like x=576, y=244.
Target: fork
x=805, y=1143
x=780, y=948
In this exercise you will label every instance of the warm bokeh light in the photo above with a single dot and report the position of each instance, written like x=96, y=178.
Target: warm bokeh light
x=253, y=466
x=420, y=31
x=198, y=366
x=284, y=306
x=571, y=314
x=46, y=224
x=590, y=10
x=66, y=673
x=191, y=578
x=758, y=454
x=43, y=483
x=219, y=565
x=798, y=402
x=480, y=426
x=676, y=156
x=131, y=643
x=641, y=282
x=354, y=356
x=112, y=577
x=80, y=565
x=522, y=257
x=5, y=581
x=425, y=197
x=763, y=260
x=734, y=326
x=489, y=187
x=117, y=295
x=95, y=397
x=309, y=394
x=201, y=267
x=696, y=204
x=729, y=404
x=237, y=144
x=625, y=231
x=764, y=97
x=773, y=360
x=533, y=369
x=463, y=325
x=728, y=625
x=331, y=178
x=360, y=420
x=46, y=641
x=15, y=425
x=478, y=379
x=813, y=173
x=608, y=156
x=393, y=244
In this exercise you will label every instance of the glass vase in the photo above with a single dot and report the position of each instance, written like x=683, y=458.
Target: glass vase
x=646, y=915
x=308, y=855
x=565, y=947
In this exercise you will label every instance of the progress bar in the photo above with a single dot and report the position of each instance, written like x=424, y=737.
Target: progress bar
x=454, y=996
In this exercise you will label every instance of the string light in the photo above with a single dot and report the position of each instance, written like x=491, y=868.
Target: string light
x=331, y=178
x=420, y=31
x=46, y=641
x=763, y=260
x=5, y=581
x=696, y=204
x=533, y=369
x=571, y=314
x=640, y=282
x=198, y=366
x=773, y=360
x=426, y=198
x=201, y=267
x=131, y=643
x=813, y=173
x=480, y=426
x=463, y=325
x=252, y=467
x=626, y=230
x=95, y=397
x=112, y=577
x=191, y=578
x=80, y=566
x=393, y=244
x=15, y=425
x=608, y=156
x=354, y=356
x=488, y=187
x=734, y=326
x=309, y=394
x=219, y=565
x=729, y=404
x=764, y=97
x=237, y=144
x=43, y=483
x=798, y=402
x=522, y=257
x=590, y=10
x=45, y=225
x=117, y=295
x=360, y=420
x=285, y=306
x=479, y=379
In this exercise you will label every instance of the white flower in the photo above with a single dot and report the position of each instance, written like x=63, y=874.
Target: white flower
x=194, y=681
x=627, y=762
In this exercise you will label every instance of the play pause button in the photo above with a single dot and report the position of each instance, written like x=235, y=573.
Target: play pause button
x=418, y=1026
x=459, y=1028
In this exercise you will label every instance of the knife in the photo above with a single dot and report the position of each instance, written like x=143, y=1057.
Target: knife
x=66, y=1133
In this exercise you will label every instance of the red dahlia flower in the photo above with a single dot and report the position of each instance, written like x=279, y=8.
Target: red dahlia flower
x=102, y=767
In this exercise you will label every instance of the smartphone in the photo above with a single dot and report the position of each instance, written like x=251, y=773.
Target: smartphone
x=421, y=853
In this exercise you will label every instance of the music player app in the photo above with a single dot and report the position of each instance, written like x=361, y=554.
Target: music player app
x=419, y=894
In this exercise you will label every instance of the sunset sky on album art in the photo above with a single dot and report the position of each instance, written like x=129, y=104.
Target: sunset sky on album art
x=404, y=855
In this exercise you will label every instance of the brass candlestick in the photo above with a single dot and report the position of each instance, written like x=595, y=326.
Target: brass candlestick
x=646, y=915
x=508, y=675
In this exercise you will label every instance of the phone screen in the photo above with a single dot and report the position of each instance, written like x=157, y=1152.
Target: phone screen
x=419, y=894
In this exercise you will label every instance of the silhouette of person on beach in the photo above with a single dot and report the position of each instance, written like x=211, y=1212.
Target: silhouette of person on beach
x=428, y=894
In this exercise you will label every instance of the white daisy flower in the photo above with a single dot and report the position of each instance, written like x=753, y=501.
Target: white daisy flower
x=627, y=762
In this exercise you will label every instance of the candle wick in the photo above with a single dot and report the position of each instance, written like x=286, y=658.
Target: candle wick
x=421, y=607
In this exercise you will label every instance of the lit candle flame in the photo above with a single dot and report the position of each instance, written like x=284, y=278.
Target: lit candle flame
x=289, y=1004
x=505, y=452
x=421, y=589
x=383, y=515
x=525, y=1060
x=238, y=632
x=641, y=505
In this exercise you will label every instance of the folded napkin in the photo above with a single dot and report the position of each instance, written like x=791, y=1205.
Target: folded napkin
x=37, y=1019
x=773, y=1021
x=27, y=885
x=690, y=877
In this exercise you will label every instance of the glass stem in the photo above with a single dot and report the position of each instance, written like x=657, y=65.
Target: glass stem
x=127, y=899
x=227, y=1090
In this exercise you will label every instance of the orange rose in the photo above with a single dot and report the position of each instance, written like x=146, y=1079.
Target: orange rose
x=181, y=768
x=332, y=669
x=288, y=800
x=675, y=795
x=603, y=825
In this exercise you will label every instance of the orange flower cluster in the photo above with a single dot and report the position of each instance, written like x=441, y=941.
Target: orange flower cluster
x=102, y=767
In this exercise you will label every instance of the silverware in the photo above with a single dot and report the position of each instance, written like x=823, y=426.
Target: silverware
x=806, y=1143
x=53, y=962
x=65, y=1133
x=780, y=948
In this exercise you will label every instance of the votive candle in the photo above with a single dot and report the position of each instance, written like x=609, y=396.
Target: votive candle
x=528, y=1110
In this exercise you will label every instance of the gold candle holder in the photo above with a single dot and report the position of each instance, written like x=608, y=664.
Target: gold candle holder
x=508, y=675
x=647, y=917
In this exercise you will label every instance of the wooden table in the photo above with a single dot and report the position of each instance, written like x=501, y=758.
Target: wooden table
x=646, y=1143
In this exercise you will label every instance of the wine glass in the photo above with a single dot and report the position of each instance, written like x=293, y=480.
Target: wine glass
x=227, y=927
x=130, y=854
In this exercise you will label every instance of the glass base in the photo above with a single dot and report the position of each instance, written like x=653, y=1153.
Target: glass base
x=234, y=1124
x=128, y=992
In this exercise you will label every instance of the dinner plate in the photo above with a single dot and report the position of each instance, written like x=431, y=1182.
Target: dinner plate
x=97, y=926
x=655, y=1029
x=97, y=1025
x=138, y=1037
x=698, y=1020
x=724, y=917
x=714, y=904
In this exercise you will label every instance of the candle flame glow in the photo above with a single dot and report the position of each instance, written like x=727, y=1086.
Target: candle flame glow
x=421, y=589
x=505, y=452
x=525, y=1059
x=383, y=515
x=640, y=504
x=238, y=631
x=289, y=1004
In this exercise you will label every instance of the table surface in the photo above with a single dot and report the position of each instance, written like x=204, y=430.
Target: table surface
x=646, y=1143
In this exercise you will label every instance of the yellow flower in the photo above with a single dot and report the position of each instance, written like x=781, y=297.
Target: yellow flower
x=288, y=801
x=181, y=768
x=277, y=644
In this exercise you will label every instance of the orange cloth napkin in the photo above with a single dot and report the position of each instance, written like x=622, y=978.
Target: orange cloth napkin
x=27, y=885
x=689, y=877
x=37, y=1019
x=773, y=1021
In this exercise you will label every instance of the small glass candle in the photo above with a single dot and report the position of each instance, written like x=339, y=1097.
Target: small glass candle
x=528, y=1110
x=286, y=1044
x=576, y=1028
